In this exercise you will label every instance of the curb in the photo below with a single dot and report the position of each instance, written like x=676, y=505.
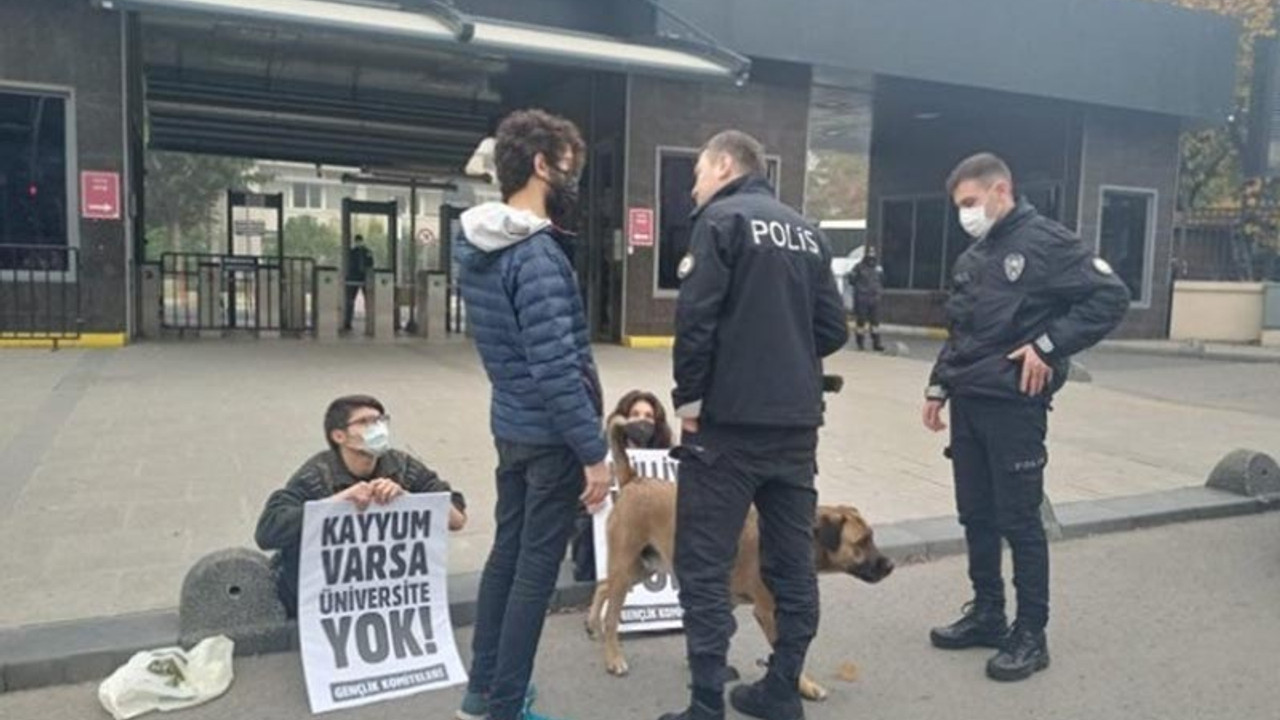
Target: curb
x=1195, y=351
x=88, y=650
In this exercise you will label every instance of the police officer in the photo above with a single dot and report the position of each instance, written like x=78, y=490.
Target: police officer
x=758, y=310
x=1027, y=295
x=867, y=279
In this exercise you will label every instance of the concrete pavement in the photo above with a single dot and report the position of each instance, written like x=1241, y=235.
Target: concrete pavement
x=1176, y=622
x=119, y=468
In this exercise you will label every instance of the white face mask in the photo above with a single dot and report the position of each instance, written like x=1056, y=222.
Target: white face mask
x=974, y=220
x=377, y=439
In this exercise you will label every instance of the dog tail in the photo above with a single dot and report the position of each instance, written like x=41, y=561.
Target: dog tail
x=622, y=469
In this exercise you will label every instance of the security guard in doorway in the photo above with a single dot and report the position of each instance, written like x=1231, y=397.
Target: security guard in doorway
x=1026, y=296
x=758, y=310
x=359, y=265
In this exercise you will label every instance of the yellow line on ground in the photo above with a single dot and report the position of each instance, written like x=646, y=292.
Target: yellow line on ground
x=87, y=340
x=649, y=342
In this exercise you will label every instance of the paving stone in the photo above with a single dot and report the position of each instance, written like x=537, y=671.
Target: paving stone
x=942, y=535
x=1087, y=517
x=899, y=543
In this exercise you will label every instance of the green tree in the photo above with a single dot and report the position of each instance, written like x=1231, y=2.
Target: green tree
x=304, y=236
x=183, y=190
x=1212, y=175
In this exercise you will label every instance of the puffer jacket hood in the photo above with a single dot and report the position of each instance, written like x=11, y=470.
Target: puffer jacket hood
x=496, y=226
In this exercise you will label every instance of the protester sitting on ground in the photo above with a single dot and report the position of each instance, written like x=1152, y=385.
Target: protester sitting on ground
x=648, y=430
x=361, y=467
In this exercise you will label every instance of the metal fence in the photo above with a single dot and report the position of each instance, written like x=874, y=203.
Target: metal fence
x=40, y=292
x=1228, y=244
x=202, y=291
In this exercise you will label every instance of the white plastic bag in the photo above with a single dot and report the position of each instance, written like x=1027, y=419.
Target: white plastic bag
x=168, y=679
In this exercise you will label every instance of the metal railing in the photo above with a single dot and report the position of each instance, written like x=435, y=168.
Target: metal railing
x=1228, y=244
x=202, y=291
x=40, y=292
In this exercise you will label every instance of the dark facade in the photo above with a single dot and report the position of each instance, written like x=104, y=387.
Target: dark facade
x=1067, y=159
x=681, y=117
x=1085, y=99
x=67, y=48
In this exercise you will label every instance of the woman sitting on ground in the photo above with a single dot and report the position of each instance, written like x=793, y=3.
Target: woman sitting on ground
x=647, y=430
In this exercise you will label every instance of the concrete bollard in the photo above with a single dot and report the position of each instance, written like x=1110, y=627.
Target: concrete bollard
x=1246, y=472
x=233, y=593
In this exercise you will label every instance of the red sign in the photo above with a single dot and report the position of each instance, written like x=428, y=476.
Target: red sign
x=100, y=195
x=640, y=227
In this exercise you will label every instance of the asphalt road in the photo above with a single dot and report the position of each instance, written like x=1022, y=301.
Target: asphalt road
x=1177, y=622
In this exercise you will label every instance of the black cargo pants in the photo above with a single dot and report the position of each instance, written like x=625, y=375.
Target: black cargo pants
x=998, y=456
x=723, y=471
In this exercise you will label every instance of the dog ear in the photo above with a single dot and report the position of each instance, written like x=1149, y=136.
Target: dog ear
x=829, y=531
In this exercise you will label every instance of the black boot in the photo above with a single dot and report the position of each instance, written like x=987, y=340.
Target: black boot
x=981, y=626
x=875, y=342
x=772, y=698
x=704, y=705
x=862, y=341
x=1025, y=653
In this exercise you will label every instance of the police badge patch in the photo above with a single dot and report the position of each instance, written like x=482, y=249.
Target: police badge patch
x=1014, y=264
x=686, y=267
x=1102, y=266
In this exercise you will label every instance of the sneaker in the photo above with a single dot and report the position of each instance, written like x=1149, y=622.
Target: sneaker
x=475, y=706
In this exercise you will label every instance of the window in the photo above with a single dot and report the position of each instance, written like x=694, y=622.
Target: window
x=675, y=205
x=308, y=196
x=34, y=207
x=1125, y=237
x=920, y=240
x=839, y=148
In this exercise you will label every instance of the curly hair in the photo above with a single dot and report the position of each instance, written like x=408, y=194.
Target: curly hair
x=662, y=436
x=524, y=134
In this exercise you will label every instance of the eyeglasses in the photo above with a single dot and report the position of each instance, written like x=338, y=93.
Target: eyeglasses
x=367, y=421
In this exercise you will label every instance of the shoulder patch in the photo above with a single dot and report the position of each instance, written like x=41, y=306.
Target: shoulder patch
x=1014, y=264
x=685, y=267
x=1102, y=266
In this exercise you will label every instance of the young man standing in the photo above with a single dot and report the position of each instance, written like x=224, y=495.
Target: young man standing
x=359, y=467
x=525, y=308
x=1027, y=295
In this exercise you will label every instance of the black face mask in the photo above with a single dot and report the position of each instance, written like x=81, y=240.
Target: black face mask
x=640, y=432
x=562, y=200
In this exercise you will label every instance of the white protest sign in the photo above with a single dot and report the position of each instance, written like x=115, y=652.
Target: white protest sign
x=373, y=607
x=654, y=603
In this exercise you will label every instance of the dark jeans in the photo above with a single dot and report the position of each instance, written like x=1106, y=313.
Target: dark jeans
x=998, y=455
x=353, y=288
x=538, y=490
x=582, y=548
x=723, y=471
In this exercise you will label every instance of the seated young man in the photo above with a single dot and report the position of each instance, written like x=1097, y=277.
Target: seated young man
x=359, y=467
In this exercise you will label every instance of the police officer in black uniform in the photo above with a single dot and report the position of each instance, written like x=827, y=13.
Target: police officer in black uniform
x=758, y=310
x=1026, y=296
x=867, y=278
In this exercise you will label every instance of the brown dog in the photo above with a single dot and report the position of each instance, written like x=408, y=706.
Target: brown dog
x=643, y=524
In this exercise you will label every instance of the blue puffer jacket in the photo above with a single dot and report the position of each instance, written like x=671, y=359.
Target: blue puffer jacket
x=526, y=314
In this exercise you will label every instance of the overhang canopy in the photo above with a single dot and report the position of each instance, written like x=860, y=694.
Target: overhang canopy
x=440, y=24
x=1134, y=54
